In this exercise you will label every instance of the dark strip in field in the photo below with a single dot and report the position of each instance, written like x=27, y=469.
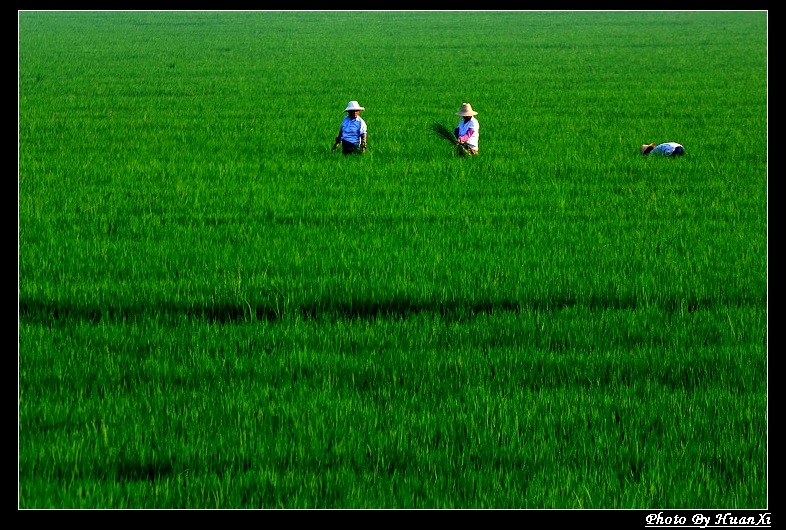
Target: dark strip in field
x=51, y=312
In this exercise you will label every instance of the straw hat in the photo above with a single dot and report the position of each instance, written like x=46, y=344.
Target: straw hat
x=354, y=105
x=466, y=110
x=646, y=148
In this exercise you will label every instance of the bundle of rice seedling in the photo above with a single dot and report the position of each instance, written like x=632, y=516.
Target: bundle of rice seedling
x=446, y=133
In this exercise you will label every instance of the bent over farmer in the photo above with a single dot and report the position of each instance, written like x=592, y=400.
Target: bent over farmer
x=666, y=148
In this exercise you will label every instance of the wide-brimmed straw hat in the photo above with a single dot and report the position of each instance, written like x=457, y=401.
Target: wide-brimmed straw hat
x=354, y=105
x=466, y=110
x=646, y=148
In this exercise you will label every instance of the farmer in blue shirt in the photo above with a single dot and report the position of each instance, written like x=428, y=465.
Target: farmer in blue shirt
x=666, y=149
x=353, y=132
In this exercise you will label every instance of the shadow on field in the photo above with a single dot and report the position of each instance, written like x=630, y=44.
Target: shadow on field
x=49, y=312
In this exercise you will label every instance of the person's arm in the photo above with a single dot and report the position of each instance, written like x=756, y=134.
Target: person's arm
x=338, y=138
x=363, y=141
x=466, y=136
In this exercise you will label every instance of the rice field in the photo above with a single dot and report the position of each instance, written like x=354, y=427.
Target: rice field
x=216, y=311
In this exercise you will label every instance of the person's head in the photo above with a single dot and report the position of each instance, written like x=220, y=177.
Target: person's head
x=646, y=148
x=466, y=112
x=353, y=109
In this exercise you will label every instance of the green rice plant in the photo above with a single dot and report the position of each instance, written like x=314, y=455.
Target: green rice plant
x=444, y=132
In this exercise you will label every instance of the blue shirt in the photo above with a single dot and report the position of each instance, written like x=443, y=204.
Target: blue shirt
x=665, y=148
x=353, y=130
x=469, y=132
